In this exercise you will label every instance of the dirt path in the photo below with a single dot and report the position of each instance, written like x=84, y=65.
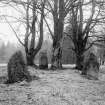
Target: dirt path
x=55, y=88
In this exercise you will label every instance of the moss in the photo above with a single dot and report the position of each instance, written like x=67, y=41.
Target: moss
x=17, y=70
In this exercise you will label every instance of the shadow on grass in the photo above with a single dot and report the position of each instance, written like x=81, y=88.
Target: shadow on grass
x=4, y=80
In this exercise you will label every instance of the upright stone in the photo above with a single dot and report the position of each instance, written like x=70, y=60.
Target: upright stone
x=43, y=60
x=17, y=70
x=91, y=67
x=93, y=72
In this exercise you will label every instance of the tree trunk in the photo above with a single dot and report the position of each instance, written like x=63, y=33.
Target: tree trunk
x=58, y=16
x=79, y=51
x=79, y=61
x=32, y=50
x=30, y=60
x=56, y=57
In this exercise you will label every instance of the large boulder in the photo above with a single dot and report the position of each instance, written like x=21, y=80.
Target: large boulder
x=91, y=67
x=17, y=70
x=92, y=72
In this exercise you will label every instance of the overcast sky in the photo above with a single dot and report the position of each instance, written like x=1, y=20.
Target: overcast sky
x=6, y=33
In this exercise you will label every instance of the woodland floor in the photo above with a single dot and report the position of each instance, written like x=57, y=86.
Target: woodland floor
x=61, y=87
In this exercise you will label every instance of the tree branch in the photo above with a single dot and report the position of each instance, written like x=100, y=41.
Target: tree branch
x=49, y=28
x=14, y=31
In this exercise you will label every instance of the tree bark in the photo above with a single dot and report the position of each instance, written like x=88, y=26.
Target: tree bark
x=57, y=57
x=30, y=60
x=32, y=50
x=79, y=61
x=58, y=17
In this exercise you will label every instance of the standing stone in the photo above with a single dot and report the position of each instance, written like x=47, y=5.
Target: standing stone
x=43, y=60
x=92, y=72
x=91, y=67
x=17, y=70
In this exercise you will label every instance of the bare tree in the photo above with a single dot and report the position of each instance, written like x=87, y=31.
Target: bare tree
x=30, y=45
x=82, y=29
x=32, y=50
x=59, y=10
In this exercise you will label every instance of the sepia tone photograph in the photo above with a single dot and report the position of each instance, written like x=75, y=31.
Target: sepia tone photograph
x=52, y=52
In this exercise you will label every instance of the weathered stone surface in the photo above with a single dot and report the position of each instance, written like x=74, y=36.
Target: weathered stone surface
x=43, y=60
x=17, y=70
x=91, y=67
x=92, y=72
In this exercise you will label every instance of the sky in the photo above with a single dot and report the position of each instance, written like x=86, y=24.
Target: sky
x=6, y=33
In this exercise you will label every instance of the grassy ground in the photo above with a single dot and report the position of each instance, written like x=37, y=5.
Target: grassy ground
x=61, y=87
